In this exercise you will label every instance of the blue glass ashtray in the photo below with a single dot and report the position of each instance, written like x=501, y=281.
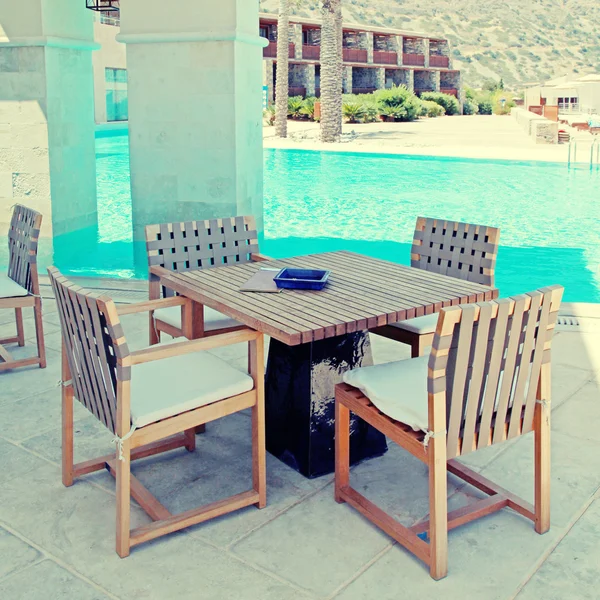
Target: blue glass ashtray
x=301, y=279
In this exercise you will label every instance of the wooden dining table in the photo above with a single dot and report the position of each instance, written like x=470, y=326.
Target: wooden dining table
x=318, y=335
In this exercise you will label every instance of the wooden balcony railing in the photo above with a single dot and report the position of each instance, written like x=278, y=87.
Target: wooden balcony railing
x=311, y=52
x=385, y=57
x=296, y=91
x=439, y=61
x=416, y=60
x=355, y=55
x=450, y=91
x=271, y=50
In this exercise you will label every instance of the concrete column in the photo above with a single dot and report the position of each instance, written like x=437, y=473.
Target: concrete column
x=47, y=146
x=268, y=80
x=400, y=48
x=309, y=79
x=296, y=35
x=380, y=78
x=195, y=110
x=347, y=79
x=368, y=45
x=426, y=51
x=411, y=80
x=435, y=75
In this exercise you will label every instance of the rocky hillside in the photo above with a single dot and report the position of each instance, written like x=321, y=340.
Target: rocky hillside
x=516, y=40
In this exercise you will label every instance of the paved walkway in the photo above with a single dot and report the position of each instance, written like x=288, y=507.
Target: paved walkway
x=58, y=543
x=477, y=136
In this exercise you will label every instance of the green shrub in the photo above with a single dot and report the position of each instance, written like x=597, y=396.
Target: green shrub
x=429, y=108
x=450, y=103
x=470, y=107
x=407, y=105
x=269, y=115
x=308, y=107
x=485, y=107
x=295, y=104
x=354, y=112
x=371, y=107
x=395, y=113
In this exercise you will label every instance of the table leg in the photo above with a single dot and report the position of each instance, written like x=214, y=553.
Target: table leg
x=300, y=403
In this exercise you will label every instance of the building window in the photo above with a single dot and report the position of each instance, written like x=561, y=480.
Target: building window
x=117, y=106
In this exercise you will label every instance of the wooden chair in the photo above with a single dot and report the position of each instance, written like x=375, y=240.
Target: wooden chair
x=487, y=380
x=152, y=400
x=197, y=245
x=451, y=248
x=20, y=287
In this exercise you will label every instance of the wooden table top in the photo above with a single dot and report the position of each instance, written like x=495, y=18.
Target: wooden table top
x=362, y=293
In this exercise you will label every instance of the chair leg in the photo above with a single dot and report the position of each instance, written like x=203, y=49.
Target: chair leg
x=542, y=462
x=342, y=449
x=39, y=332
x=154, y=332
x=417, y=346
x=67, y=428
x=256, y=352
x=67, y=437
x=123, y=501
x=438, y=509
x=190, y=439
x=20, y=330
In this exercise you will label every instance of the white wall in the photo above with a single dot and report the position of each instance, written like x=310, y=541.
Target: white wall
x=589, y=97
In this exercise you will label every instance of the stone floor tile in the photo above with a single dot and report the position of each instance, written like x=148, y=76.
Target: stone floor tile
x=76, y=525
x=47, y=580
x=483, y=564
x=220, y=467
x=90, y=439
x=16, y=462
x=15, y=554
x=575, y=473
x=573, y=569
x=36, y=414
x=384, y=480
x=580, y=350
x=568, y=380
x=28, y=381
x=317, y=544
x=580, y=415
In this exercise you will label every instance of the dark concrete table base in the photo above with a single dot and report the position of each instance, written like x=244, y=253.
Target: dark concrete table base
x=300, y=403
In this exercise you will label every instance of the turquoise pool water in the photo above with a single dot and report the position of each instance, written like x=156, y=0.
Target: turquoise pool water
x=317, y=201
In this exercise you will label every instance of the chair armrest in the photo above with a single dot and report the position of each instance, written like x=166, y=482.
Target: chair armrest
x=129, y=309
x=207, y=343
x=257, y=257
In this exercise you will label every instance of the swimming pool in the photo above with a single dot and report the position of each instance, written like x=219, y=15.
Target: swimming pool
x=318, y=201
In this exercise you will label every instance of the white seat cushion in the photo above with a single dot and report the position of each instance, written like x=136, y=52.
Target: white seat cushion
x=168, y=387
x=419, y=325
x=10, y=288
x=398, y=389
x=212, y=318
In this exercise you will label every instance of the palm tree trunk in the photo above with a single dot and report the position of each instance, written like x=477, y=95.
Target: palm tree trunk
x=281, y=87
x=331, y=71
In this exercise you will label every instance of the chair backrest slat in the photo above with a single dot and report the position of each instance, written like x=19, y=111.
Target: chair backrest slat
x=487, y=358
x=93, y=341
x=512, y=342
x=475, y=389
x=23, y=235
x=460, y=250
x=201, y=244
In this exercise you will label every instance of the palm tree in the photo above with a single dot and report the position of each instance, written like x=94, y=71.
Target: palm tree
x=331, y=71
x=281, y=86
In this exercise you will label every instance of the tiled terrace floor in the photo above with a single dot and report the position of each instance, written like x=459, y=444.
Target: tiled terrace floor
x=59, y=543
